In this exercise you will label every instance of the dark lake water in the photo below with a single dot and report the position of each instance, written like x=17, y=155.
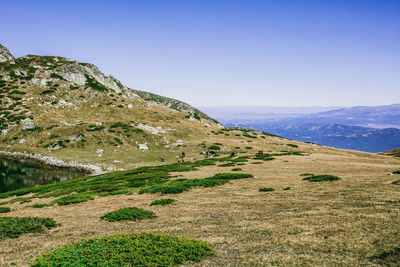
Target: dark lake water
x=18, y=173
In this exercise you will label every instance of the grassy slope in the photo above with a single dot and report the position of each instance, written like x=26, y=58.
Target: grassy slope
x=344, y=222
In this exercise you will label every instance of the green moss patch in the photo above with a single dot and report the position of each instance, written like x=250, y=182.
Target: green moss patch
x=4, y=209
x=144, y=249
x=163, y=202
x=128, y=214
x=321, y=178
x=13, y=227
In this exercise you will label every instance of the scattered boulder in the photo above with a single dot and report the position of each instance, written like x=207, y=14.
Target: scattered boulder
x=27, y=124
x=143, y=147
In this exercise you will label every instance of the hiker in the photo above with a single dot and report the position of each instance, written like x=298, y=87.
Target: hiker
x=183, y=155
x=232, y=154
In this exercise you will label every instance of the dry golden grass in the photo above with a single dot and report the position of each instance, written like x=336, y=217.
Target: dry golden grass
x=340, y=223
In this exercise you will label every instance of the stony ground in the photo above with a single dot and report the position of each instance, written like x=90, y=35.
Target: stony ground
x=340, y=223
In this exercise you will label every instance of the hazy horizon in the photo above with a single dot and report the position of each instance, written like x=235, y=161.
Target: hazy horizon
x=224, y=53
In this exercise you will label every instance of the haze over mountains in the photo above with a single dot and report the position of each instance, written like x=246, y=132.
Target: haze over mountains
x=371, y=129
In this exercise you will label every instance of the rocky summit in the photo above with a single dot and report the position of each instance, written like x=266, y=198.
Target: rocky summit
x=5, y=54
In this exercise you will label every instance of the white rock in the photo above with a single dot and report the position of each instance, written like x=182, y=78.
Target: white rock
x=21, y=141
x=98, y=123
x=27, y=124
x=143, y=147
x=153, y=130
x=178, y=143
x=130, y=106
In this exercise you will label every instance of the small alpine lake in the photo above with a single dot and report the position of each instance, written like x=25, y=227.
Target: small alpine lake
x=17, y=173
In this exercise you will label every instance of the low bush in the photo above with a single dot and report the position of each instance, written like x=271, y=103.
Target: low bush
x=306, y=174
x=321, y=178
x=214, y=147
x=163, y=202
x=4, y=209
x=236, y=169
x=128, y=214
x=266, y=189
x=397, y=172
x=13, y=227
x=287, y=188
x=396, y=182
x=143, y=249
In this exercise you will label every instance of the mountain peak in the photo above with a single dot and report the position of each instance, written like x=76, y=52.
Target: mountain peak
x=5, y=54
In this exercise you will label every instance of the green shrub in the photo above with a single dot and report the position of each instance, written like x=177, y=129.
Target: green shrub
x=257, y=162
x=46, y=92
x=163, y=202
x=128, y=214
x=397, y=172
x=230, y=164
x=321, y=178
x=236, y=169
x=396, y=182
x=73, y=198
x=287, y=188
x=13, y=227
x=306, y=174
x=214, y=147
x=4, y=209
x=143, y=249
x=266, y=189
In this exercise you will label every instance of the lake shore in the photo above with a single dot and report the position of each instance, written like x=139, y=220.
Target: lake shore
x=91, y=168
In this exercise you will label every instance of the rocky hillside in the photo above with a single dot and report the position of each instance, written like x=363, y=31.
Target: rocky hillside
x=55, y=106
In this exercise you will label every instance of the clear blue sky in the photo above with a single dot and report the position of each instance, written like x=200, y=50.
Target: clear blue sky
x=210, y=53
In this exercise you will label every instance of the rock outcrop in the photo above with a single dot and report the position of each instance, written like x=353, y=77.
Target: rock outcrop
x=5, y=54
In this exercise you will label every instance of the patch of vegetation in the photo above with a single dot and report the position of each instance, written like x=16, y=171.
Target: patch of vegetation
x=163, y=202
x=292, y=145
x=397, y=172
x=236, y=169
x=306, y=174
x=94, y=84
x=257, y=162
x=214, y=147
x=73, y=198
x=39, y=205
x=249, y=136
x=266, y=189
x=229, y=164
x=143, y=249
x=287, y=188
x=128, y=214
x=4, y=209
x=93, y=128
x=388, y=258
x=48, y=91
x=56, y=76
x=13, y=227
x=321, y=178
x=396, y=182
x=180, y=185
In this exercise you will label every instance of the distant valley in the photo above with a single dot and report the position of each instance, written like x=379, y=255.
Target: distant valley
x=370, y=129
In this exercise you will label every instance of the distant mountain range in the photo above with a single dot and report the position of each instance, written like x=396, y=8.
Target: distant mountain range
x=371, y=129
